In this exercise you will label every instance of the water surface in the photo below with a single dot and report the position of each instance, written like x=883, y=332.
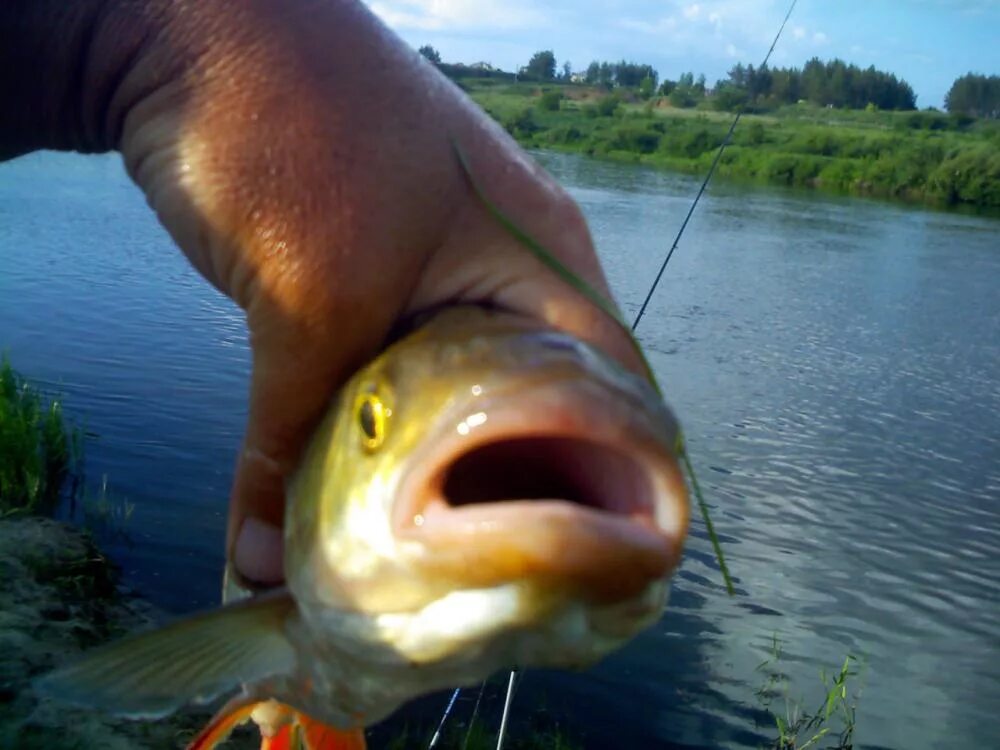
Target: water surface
x=835, y=362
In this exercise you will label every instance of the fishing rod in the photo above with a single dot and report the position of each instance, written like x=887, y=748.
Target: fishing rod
x=704, y=184
x=549, y=260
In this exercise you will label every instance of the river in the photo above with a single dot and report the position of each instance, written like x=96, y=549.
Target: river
x=835, y=363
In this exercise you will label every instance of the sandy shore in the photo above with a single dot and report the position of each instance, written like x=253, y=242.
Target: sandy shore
x=59, y=596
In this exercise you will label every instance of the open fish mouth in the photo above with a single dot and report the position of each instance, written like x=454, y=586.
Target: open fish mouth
x=569, y=484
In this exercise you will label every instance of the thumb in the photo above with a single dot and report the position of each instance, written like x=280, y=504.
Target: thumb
x=291, y=386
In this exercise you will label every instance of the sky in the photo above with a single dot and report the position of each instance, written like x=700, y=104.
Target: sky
x=928, y=43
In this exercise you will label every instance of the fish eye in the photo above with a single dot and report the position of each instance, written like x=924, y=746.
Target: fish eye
x=372, y=415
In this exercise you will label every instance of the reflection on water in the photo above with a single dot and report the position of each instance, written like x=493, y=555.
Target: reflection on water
x=836, y=364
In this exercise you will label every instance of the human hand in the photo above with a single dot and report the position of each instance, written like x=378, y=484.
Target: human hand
x=302, y=158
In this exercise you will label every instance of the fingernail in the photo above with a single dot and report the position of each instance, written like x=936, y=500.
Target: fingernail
x=258, y=556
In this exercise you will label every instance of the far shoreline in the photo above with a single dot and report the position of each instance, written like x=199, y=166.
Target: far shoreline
x=916, y=158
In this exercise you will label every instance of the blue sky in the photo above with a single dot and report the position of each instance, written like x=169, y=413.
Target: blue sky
x=927, y=42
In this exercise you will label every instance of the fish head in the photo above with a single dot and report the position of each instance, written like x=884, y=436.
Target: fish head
x=486, y=492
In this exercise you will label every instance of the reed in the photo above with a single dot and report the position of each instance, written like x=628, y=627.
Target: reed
x=38, y=450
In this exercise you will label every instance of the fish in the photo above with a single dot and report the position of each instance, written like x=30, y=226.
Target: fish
x=486, y=493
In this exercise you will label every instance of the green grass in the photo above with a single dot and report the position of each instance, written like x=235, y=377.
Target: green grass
x=105, y=513
x=914, y=156
x=38, y=451
x=830, y=725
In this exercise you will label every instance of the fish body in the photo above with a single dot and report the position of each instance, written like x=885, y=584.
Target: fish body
x=485, y=493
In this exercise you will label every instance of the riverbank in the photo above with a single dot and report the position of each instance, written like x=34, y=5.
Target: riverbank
x=59, y=597
x=921, y=157
x=59, y=594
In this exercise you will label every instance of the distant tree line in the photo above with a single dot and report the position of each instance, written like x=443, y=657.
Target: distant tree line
x=834, y=83
x=430, y=53
x=686, y=91
x=975, y=95
x=624, y=74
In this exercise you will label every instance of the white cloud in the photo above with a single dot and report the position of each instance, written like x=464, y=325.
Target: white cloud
x=664, y=25
x=437, y=15
x=819, y=37
x=798, y=32
x=691, y=12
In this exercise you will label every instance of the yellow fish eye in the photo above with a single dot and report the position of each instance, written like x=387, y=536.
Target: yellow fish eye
x=372, y=416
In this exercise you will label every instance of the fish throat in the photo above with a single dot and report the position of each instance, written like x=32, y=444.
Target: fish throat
x=572, y=470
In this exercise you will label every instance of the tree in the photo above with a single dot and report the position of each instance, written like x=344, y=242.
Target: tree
x=687, y=92
x=729, y=96
x=833, y=83
x=567, y=72
x=606, y=77
x=542, y=66
x=738, y=76
x=430, y=53
x=647, y=86
x=974, y=95
x=624, y=74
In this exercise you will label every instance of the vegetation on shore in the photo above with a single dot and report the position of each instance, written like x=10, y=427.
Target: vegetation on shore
x=828, y=125
x=60, y=594
x=915, y=156
x=37, y=449
x=831, y=725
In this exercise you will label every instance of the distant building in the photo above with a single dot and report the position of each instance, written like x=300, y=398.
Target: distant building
x=483, y=66
x=578, y=78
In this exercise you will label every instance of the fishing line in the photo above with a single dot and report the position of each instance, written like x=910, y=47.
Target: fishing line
x=444, y=718
x=506, y=709
x=475, y=713
x=704, y=184
x=591, y=294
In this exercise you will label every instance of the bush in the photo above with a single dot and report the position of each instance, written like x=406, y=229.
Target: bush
x=634, y=139
x=683, y=97
x=840, y=174
x=564, y=135
x=968, y=175
x=550, y=101
x=521, y=123
x=791, y=169
x=607, y=106
x=693, y=143
x=754, y=135
x=960, y=120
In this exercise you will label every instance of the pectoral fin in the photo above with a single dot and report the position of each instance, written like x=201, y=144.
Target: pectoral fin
x=237, y=711
x=194, y=660
x=309, y=735
x=316, y=736
x=287, y=729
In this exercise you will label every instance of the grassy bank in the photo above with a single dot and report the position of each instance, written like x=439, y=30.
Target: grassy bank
x=38, y=451
x=915, y=156
x=59, y=594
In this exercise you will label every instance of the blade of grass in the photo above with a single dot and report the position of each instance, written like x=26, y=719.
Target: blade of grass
x=592, y=295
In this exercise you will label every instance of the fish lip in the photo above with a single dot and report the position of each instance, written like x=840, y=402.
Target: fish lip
x=611, y=550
